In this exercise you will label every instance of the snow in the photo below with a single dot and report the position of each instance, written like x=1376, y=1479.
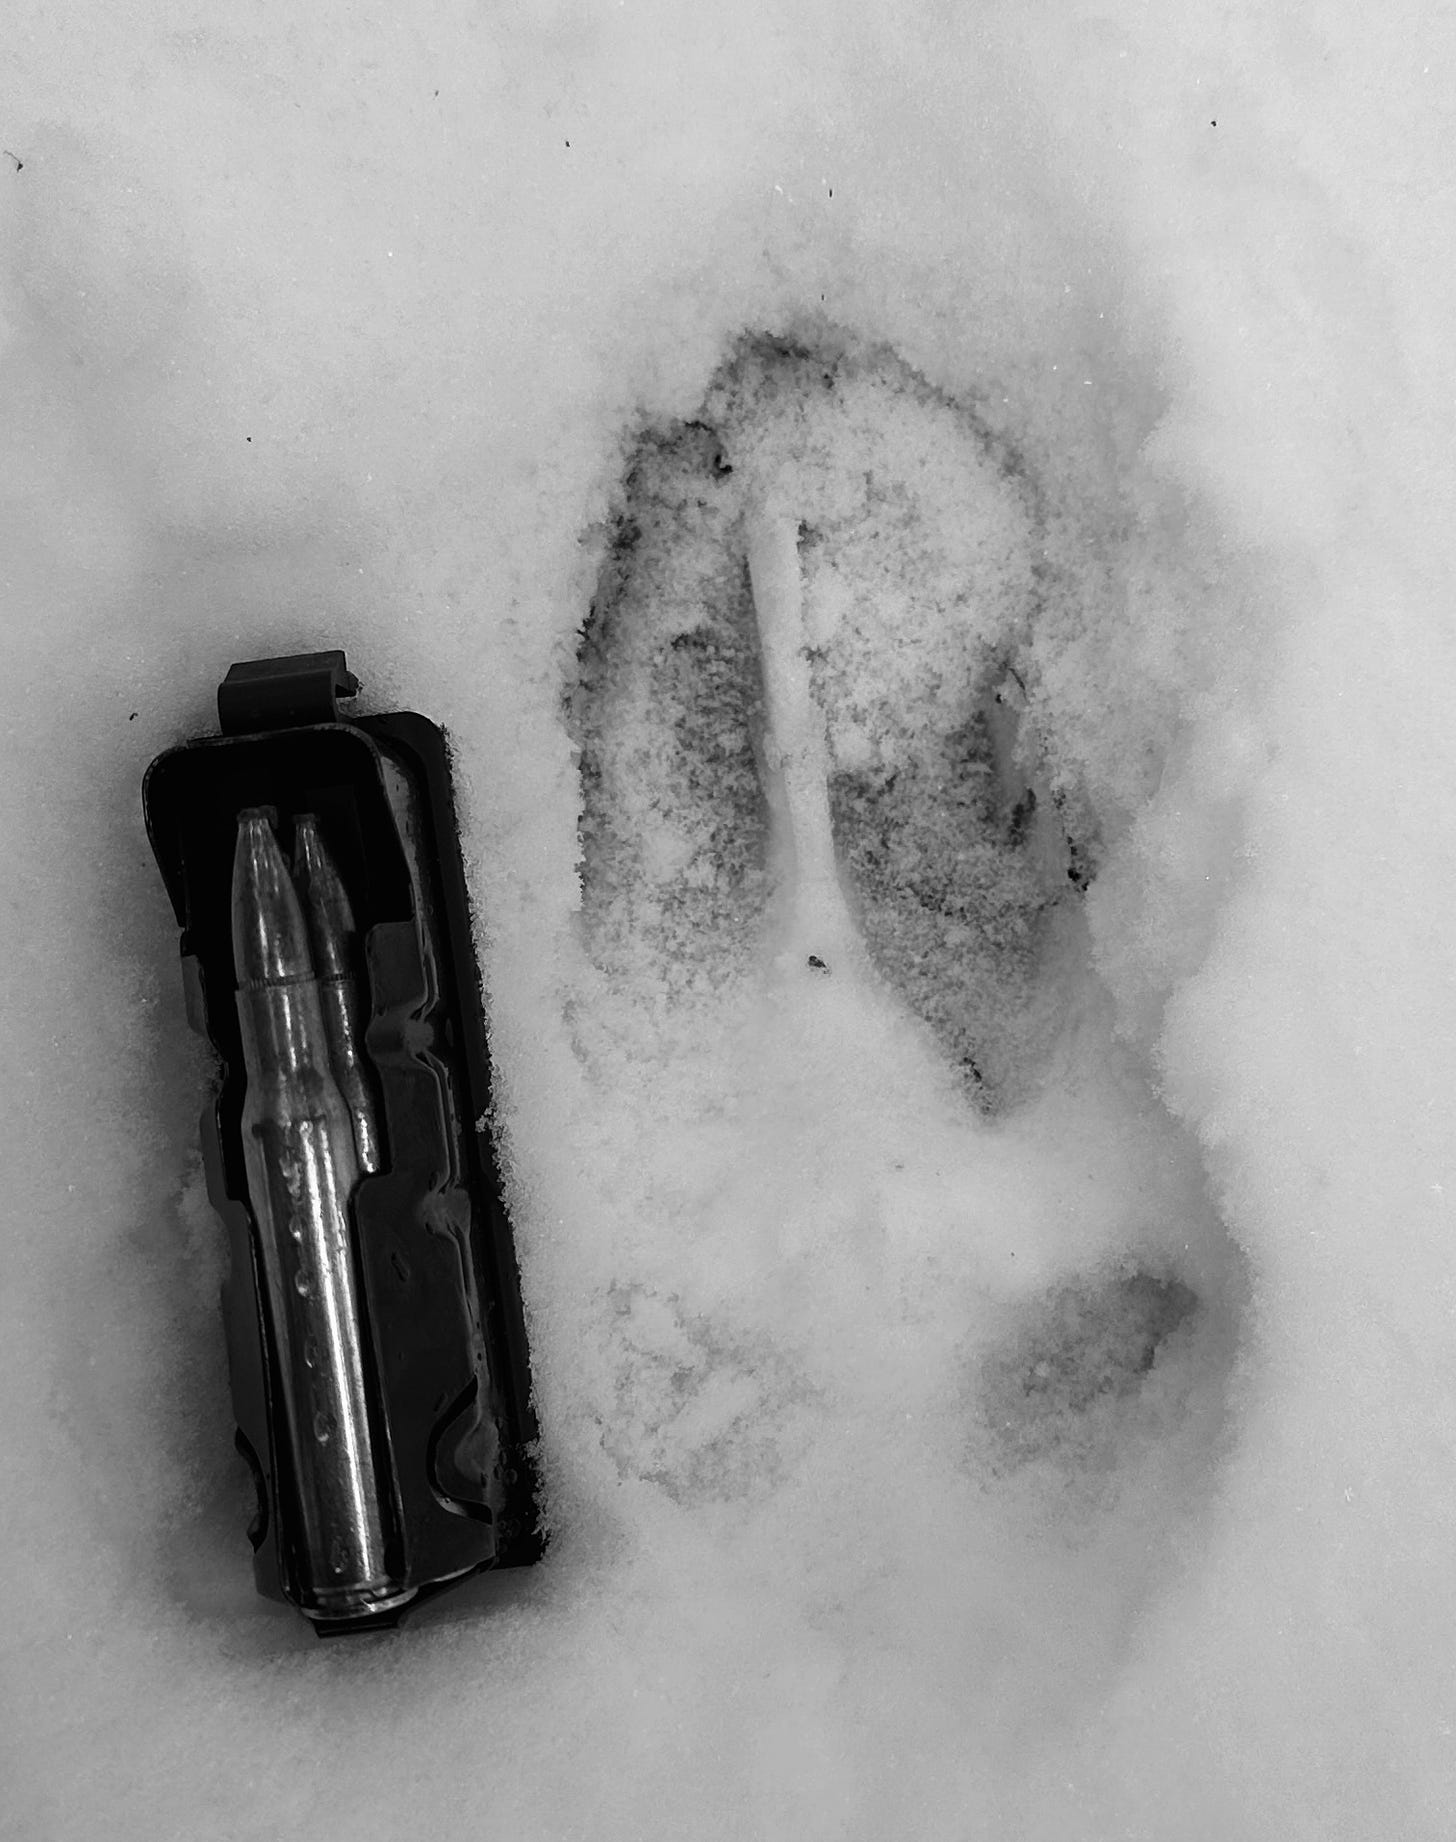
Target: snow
x=1064, y=1450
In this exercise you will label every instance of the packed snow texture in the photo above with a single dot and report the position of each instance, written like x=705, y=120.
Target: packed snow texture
x=929, y=531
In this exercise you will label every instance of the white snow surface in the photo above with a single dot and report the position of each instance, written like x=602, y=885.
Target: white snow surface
x=343, y=328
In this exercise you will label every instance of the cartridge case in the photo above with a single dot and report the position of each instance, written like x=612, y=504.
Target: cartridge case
x=303, y=1165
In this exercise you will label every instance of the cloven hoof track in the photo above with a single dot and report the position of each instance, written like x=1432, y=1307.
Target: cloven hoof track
x=918, y=539
x=957, y=855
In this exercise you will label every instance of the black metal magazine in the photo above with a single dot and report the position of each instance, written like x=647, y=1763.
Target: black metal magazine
x=429, y=1476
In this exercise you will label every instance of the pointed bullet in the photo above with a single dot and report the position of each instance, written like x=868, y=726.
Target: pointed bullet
x=270, y=938
x=331, y=930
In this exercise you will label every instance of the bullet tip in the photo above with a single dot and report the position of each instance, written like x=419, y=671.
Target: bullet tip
x=270, y=938
x=325, y=900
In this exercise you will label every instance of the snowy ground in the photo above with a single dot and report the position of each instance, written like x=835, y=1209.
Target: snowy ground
x=957, y=495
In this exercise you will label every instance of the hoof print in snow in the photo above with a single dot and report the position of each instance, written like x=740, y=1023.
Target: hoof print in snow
x=853, y=727
x=1074, y=1387
x=951, y=901
x=698, y=1412
x=666, y=712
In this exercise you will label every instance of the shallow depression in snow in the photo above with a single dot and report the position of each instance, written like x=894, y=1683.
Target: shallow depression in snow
x=912, y=1254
